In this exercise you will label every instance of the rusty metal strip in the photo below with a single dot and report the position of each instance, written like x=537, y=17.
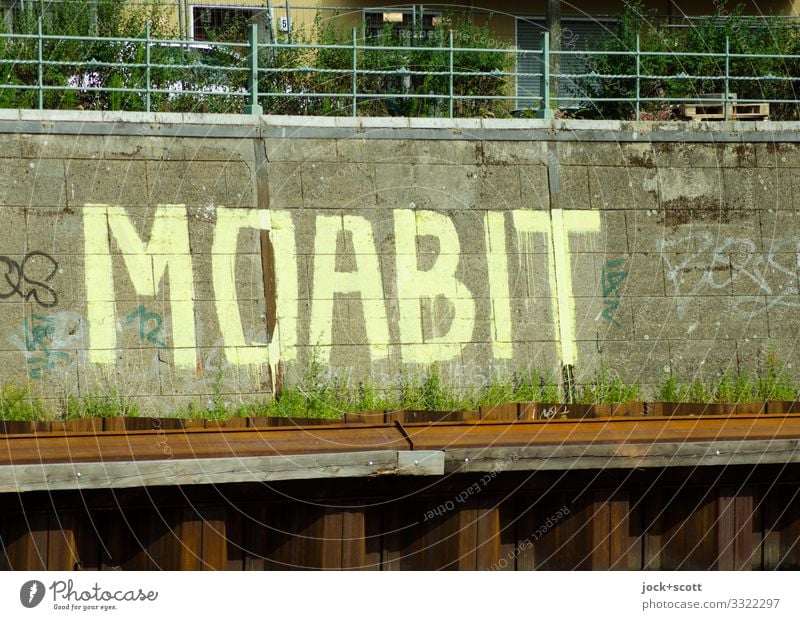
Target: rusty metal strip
x=245, y=442
x=405, y=434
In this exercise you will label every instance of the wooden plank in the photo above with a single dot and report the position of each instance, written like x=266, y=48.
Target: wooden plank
x=601, y=526
x=488, y=544
x=164, y=545
x=726, y=530
x=746, y=544
x=522, y=555
x=27, y=542
x=405, y=532
x=331, y=541
x=234, y=531
x=214, y=539
x=460, y=543
x=625, y=537
x=62, y=548
x=170, y=472
x=782, y=528
x=374, y=532
x=626, y=456
x=653, y=502
x=307, y=538
x=562, y=542
x=687, y=524
x=190, y=540
x=5, y=564
x=255, y=536
x=125, y=535
x=354, y=542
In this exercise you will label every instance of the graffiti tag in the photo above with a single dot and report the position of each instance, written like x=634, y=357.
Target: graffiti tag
x=612, y=277
x=149, y=325
x=28, y=278
x=38, y=332
x=770, y=275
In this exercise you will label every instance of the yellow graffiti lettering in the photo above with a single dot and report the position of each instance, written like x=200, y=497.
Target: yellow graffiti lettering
x=284, y=341
x=415, y=286
x=558, y=225
x=166, y=252
x=223, y=250
x=497, y=261
x=364, y=280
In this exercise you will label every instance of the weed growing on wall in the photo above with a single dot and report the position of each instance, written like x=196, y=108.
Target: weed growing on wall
x=17, y=404
x=322, y=395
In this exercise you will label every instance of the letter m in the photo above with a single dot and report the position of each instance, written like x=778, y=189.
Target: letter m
x=166, y=252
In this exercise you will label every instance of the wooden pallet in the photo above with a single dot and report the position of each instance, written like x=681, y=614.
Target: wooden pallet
x=716, y=111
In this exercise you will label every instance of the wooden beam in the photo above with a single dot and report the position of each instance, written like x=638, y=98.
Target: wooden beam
x=627, y=456
x=117, y=475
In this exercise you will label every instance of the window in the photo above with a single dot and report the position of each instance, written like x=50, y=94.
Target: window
x=403, y=22
x=224, y=23
x=576, y=35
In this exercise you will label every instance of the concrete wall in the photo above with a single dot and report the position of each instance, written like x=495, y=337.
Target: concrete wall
x=173, y=257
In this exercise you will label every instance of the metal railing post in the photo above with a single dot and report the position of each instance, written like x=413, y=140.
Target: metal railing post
x=452, y=68
x=39, y=66
x=355, y=73
x=545, y=111
x=638, y=73
x=147, y=102
x=252, y=58
x=727, y=75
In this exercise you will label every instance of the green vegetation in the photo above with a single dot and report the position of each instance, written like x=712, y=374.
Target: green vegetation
x=332, y=75
x=765, y=35
x=213, y=78
x=15, y=404
x=773, y=383
x=318, y=394
x=605, y=388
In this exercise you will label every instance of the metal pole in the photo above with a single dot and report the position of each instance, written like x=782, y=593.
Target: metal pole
x=147, y=64
x=252, y=57
x=270, y=25
x=638, y=71
x=727, y=74
x=180, y=19
x=355, y=75
x=553, y=19
x=288, y=22
x=452, y=67
x=39, y=66
x=188, y=17
x=545, y=111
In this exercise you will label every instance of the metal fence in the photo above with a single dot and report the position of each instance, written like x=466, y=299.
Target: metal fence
x=152, y=74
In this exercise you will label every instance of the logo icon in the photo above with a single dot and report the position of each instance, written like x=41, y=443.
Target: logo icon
x=31, y=593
